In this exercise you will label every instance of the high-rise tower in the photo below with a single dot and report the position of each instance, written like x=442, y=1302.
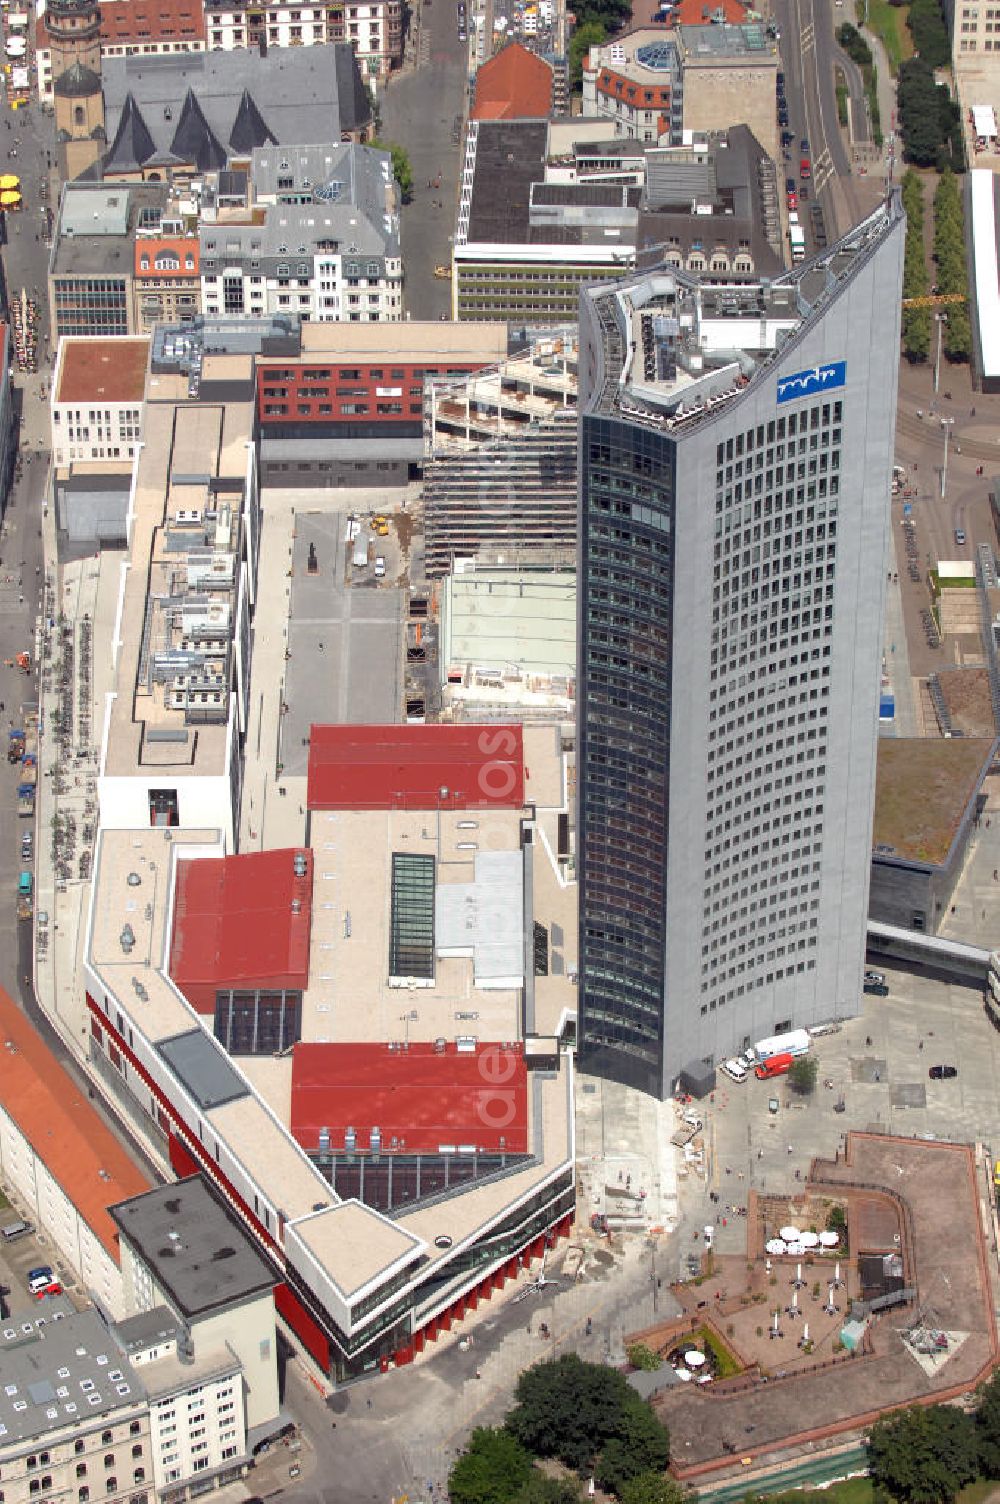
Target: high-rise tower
x=73, y=28
x=736, y=459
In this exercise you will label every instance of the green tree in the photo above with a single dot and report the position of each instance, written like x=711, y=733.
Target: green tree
x=401, y=169
x=588, y=34
x=570, y=1409
x=655, y=1488
x=853, y=43
x=920, y=113
x=802, y=1074
x=491, y=1470
x=641, y=1446
x=924, y=1456
x=988, y=1426
x=930, y=35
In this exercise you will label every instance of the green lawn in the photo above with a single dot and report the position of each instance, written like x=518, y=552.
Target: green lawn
x=889, y=24
x=976, y=1492
x=851, y=1491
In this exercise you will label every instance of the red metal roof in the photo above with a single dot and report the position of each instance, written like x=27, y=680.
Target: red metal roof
x=514, y=85
x=79, y=1151
x=419, y=1098
x=416, y=767
x=241, y=921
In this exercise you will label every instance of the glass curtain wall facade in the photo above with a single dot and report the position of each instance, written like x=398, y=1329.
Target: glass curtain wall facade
x=736, y=448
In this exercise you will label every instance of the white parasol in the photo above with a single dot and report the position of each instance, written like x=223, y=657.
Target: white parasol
x=790, y=1234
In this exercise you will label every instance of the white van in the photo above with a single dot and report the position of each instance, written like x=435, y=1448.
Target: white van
x=734, y=1069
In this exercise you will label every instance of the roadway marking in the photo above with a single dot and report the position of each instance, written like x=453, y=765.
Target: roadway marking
x=807, y=37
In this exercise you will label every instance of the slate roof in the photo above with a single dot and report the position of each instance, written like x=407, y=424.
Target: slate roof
x=132, y=144
x=239, y=98
x=194, y=140
x=249, y=129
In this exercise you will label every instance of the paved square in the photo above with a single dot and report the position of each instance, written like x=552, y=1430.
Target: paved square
x=344, y=641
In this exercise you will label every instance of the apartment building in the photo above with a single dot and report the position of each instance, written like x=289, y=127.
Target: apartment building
x=328, y=251
x=373, y=29
x=166, y=280
x=185, y=1250
x=62, y=1167
x=74, y=1417
x=197, y=1416
x=736, y=445
x=98, y=389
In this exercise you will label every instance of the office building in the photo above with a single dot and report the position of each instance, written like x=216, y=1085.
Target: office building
x=524, y=246
x=655, y=82
x=92, y=262
x=98, y=389
x=347, y=406
x=736, y=449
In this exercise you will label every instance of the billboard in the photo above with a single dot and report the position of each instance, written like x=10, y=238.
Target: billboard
x=810, y=383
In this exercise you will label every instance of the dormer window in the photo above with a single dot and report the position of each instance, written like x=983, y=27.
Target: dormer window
x=167, y=261
x=189, y=262
x=144, y=263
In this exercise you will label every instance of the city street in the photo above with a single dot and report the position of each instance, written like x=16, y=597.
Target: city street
x=424, y=111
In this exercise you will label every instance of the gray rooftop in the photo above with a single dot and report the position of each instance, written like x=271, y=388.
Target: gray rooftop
x=96, y=227
x=353, y=214
x=713, y=42
x=66, y=1373
x=194, y=1246
x=148, y=1329
x=229, y=101
x=203, y=1068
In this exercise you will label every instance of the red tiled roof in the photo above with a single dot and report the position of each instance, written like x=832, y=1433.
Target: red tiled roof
x=81, y=1154
x=155, y=245
x=416, y=767
x=514, y=85
x=704, y=12
x=420, y=1097
x=241, y=921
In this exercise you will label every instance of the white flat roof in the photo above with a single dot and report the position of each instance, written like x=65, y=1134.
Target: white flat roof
x=984, y=256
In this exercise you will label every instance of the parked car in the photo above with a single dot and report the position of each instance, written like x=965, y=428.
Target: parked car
x=874, y=976
x=960, y=535
x=39, y=1279
x=877, y=989
x=52, y=1288
x=379, y=567
x=943, y=1072
x=734, y=1069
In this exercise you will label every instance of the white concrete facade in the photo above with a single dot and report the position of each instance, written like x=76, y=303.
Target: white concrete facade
x=52, y=1209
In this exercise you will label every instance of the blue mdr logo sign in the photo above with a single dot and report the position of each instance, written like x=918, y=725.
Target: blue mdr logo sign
x=810, y=383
